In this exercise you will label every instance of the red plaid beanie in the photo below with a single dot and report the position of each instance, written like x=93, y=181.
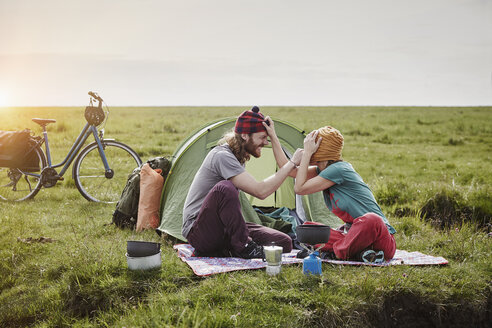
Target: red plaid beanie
x=250, y=122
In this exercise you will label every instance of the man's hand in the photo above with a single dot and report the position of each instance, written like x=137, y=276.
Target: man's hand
x=296, y=158
x=270, y=129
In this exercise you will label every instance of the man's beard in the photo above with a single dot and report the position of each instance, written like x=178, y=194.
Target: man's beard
x=251, y=148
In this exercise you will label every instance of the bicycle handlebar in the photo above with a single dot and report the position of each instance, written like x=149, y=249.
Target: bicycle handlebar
x=95, y=96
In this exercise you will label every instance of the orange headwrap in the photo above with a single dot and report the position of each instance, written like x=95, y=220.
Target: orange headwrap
x=331, y=145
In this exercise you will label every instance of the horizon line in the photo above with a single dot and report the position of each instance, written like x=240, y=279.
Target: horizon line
x=113, y=106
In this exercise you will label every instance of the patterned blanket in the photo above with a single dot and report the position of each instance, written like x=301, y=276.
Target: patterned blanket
x=205, y=266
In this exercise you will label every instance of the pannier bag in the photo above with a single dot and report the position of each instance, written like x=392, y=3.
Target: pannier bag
x=17, y=150
x=126, y=213
x=94, y=115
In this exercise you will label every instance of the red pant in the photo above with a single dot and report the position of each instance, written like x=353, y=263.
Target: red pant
x=367, y=231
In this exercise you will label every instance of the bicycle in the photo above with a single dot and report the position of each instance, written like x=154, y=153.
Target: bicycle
x=100, y=169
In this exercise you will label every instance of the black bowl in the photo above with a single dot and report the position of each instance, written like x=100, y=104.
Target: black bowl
x=312, y=234
x=142, y=248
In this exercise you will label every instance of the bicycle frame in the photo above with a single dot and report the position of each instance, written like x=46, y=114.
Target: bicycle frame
x=76, y=147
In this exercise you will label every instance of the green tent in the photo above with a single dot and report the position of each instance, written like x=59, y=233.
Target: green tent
x=190, y=154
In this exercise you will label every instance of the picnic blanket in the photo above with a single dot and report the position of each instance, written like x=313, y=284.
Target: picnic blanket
x=205, y=266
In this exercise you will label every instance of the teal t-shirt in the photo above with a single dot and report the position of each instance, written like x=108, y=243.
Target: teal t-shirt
x=350, y=197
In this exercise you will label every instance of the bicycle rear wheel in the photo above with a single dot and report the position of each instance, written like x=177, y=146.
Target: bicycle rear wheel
x=89, y=173
x=17, y=184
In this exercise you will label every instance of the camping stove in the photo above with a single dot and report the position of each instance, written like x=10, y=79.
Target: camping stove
x=312, y=263
x=310, y=235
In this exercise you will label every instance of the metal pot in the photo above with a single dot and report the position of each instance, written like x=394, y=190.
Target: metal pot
x=312, y=234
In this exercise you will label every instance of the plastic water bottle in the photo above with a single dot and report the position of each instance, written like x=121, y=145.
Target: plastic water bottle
x=312, y=264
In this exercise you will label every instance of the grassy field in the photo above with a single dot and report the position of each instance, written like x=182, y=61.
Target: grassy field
x=408, y=156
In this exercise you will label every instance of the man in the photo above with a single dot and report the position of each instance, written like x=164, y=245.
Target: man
x=212, y=218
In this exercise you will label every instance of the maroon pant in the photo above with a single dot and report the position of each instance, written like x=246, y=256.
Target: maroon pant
x=367, y=231
x=220, y=224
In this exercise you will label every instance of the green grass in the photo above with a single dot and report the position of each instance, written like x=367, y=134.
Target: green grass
x=406, y=155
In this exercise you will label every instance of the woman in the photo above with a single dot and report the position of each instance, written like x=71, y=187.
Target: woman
x=367, y=234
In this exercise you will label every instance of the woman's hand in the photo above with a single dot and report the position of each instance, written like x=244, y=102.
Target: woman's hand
x=310, y=143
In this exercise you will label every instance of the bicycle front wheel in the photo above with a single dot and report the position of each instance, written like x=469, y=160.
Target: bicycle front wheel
x=18, y=184
x=92, y=180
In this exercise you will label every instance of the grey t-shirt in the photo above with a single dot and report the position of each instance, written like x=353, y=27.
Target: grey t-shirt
x=220, y=164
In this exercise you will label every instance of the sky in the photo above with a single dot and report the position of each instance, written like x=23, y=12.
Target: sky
x=246, y=52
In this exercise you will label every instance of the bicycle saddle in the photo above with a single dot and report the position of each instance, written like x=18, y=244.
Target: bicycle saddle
x=43, y=121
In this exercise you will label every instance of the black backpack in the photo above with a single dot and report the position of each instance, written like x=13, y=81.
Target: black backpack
x=125, y=215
